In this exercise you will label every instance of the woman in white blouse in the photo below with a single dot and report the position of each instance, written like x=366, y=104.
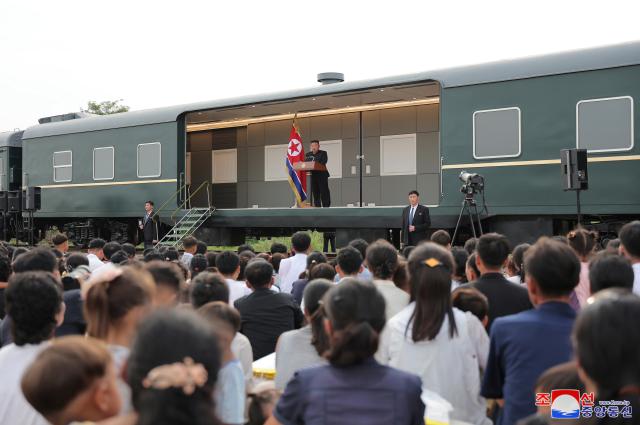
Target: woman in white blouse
x=446, y=347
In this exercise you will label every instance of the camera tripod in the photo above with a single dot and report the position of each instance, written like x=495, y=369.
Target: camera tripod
x=471, y=207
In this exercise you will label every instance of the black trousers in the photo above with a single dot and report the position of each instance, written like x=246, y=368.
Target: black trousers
x=320, y=190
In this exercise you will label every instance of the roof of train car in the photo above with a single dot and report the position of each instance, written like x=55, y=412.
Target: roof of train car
x=11, y=139
x=535, y=66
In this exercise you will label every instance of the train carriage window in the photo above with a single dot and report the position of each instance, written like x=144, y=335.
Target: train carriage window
x=103, y=165
x=496, y=133
x=62, y=166
x=605, y=125
x=149, y=159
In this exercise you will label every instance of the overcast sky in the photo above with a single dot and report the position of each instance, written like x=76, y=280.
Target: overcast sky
x=57, y=55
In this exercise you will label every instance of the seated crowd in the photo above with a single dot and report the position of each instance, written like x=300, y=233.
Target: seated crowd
x=368, y=337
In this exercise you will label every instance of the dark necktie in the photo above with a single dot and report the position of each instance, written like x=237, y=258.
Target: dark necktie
x=411, y=214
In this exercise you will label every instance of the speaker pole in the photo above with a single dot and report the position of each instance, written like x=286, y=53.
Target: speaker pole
x=578, y=206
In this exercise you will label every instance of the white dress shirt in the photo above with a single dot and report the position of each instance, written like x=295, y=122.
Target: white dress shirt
x=14, y=408
x=395, y=298
x=290, y=269
x=237, y=289
x=94, y=262
x=636, y=280
x=450, y=367
x=241, y=348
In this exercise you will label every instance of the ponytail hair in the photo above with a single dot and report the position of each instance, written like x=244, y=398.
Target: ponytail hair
x=431, y=267
x=582, y=241
x=356, y=311
x=112, y=294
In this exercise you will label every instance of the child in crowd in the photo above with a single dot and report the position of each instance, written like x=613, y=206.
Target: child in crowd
x=85, y=391
x=473, y=301
x=262, y=400
x=230, y=389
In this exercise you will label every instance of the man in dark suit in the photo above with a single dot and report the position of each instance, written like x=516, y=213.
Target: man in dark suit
x=319, y=179
x=149, y=226
x=505, y=298
x=265, y=314
x=415, y=221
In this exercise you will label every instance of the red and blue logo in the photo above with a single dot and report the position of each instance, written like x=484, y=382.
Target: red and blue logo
x=565, y=404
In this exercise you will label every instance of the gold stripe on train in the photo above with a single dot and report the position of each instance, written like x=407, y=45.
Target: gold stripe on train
x=538, y=162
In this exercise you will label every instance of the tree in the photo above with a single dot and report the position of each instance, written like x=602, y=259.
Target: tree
x=105, y=108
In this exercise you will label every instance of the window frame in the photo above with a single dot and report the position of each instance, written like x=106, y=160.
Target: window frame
x=70, y=165
x=391, y=138
x=113, y=162
x=138, y=160
x=213, y=155
x=601, y=99
x=266, y=162
x=473, y=124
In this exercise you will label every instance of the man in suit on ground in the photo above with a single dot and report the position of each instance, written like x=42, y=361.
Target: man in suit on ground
x=415, y=221
x=319, y=179
x=149, y=226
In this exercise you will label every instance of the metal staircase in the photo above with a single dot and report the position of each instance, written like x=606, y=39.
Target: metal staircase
x=187, y=220
x=186, y=226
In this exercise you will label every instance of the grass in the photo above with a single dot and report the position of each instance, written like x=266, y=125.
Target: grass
x=264, y=244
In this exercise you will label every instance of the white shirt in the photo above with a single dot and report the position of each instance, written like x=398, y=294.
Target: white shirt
x=94, y=262
x=412, y=213
x=290, y=269
x=230, y=394
x=241, y=348
x=14, y=408
x=395, y=298
x=636, y=280
x=448, y=366
x=186, y=259
x=237, y=289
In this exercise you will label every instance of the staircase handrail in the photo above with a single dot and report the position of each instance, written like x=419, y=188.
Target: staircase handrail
x=206, y=184
x=172, y=197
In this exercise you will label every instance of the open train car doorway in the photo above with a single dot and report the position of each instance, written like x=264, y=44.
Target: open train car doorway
x=381, y=142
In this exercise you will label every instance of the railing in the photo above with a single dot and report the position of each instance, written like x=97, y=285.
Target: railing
x=171, y=198
x=187, y=201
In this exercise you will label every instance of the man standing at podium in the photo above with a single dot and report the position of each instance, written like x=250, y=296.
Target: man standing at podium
x=319, y=179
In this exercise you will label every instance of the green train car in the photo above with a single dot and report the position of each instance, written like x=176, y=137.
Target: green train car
x=507, y=121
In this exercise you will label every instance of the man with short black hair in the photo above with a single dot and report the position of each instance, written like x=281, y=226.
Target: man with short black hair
x=609, y=270
x=442, y=238
x=34, y=302
x=169, y=282
x=150, y=226
x=60, y=243
x=504, y=297
x=95, y=254
x=228, y=264
x=630, y=248
x=278, y=247
x=266, y=314
x=349, y=262
x=415, y=221
x=110, y=248
x=201, y=248
x=525, y=344
x=190, y=245
x=290, y=268
x=319, y=179
x=37, y=259
x=130, y=249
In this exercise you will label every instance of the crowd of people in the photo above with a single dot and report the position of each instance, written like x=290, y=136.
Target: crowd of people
x=168, y=337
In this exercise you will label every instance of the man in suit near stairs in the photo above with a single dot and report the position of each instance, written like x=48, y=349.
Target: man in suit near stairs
x=415, y=221
x=150, y=226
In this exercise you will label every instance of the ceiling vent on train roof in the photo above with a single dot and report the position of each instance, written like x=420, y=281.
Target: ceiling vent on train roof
x=65, y=117
x=330, y=77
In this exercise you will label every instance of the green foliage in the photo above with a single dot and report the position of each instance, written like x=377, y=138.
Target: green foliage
x=105, y=108
x=264, y=244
